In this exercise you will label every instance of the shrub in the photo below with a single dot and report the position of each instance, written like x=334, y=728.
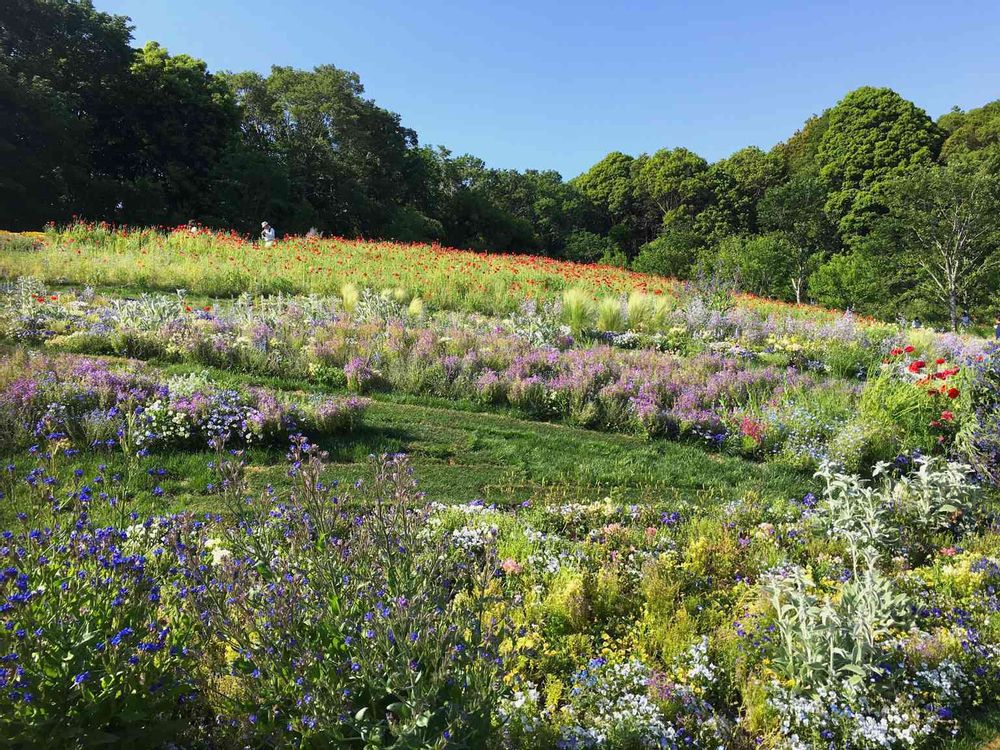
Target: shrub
x=674, y=253
x=586, y=247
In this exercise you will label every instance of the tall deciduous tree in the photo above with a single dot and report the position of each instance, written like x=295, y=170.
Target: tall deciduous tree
x=62, y=65
x=346, y=157
x=872, y=135
x=796, y=210
x=949, y=218
x=973, y=135
x=181, y=121
x=737, y=185
x=671, y=184
x=609, y=185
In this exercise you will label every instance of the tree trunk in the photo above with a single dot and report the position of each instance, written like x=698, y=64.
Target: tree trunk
x=953, y=308
x=798, y=281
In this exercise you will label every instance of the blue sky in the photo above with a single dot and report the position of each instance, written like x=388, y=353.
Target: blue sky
x=559, y=84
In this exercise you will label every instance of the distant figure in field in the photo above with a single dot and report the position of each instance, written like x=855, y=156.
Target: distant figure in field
x=267, y=233
x=314, y=233
x=996, y=331
x=193, y=227
x=966, y=319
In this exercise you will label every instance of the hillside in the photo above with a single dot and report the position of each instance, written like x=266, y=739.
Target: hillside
x=479, y=494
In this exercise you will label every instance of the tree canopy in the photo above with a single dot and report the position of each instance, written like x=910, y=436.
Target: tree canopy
x=852, y=209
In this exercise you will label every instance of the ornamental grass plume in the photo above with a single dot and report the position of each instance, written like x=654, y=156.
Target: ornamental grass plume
x=349, y=297
x=638, y=311
x=610, y=314
x=578, y=309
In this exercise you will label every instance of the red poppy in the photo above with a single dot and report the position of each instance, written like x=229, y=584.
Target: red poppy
x=939, y=361
x=207, y=308
x=908, y=349
x=187, y=308
x=896, y=352
x=916, y=365
x=947, y=416
x=952, y=393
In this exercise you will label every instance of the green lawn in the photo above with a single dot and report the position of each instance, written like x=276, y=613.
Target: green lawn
x=461, y=454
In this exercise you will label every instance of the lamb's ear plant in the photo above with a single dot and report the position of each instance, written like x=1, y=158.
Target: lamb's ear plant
x=829, y=642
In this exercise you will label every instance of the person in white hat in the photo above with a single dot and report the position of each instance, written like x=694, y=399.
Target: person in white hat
x=267, y=233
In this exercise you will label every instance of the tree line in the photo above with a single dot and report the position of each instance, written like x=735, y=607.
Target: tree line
x=872, y=205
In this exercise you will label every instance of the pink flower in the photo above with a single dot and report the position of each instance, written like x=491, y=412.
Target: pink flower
x=511, y=566
x=949, y=551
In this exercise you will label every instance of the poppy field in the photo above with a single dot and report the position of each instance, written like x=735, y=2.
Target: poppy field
x=220, y=264
x=354, y=494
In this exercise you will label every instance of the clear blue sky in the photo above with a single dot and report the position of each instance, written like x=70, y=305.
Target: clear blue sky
x=545, y=84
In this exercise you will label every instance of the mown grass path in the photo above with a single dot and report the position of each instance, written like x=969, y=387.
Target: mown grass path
x=461, y=452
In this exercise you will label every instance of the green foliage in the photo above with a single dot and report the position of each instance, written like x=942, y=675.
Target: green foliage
x=587, y=247
x=796, y=210
x=762, y=265
x=609, y=184
x=851, y=281
x=674, y=253
x=671, y=185
x=738, y=183
x=577, y=310
x=872, y=134
x=96, y=128
x=948, y=218
x=975, y=133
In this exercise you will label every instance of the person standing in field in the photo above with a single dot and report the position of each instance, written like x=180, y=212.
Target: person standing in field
x=267, y=233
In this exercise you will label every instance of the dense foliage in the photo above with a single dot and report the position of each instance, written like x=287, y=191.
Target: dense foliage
x=854, y=210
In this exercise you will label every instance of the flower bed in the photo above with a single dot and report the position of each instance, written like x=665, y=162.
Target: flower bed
x=765, y=399
x=864, y=617
x=90, y=402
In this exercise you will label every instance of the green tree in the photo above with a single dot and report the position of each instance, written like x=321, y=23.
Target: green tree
x=182, y=120
x=346, y=158
x=795, y=209
x=757, y=264
x=949, y=218
x=588, y=247
x=800, y=153
x=873, y=135
x=973, y=135
x=670, y=185
x=608, y=184
x=850, y=281
x=674, y=253
x=737, y=184
x=63, y=66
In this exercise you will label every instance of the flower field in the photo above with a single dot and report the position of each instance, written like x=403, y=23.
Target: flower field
x=222, y=265
x=193, y=554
